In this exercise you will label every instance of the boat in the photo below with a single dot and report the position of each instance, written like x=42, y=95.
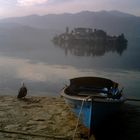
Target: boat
x=93, y=99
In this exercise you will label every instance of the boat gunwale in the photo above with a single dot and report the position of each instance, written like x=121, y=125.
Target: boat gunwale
x=97, y=81
x=89, y=98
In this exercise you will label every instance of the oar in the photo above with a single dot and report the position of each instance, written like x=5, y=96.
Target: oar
x=132, y=99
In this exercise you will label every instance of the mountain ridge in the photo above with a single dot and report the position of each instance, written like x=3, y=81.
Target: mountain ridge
x=114, y=22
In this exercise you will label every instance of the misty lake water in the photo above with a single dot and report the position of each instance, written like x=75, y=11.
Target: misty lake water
x=46, y=68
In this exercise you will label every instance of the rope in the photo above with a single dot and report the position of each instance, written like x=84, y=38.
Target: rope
x=79, y=116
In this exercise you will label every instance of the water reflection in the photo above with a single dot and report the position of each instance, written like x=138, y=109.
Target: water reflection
x=38, y=72
x=121, y=126
x=40, y=78
x=45, y=79
x=92, y=49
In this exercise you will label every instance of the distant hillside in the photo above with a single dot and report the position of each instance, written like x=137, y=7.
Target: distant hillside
x=113, y=22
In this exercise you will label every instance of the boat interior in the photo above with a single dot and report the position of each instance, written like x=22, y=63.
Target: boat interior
x=96, y=86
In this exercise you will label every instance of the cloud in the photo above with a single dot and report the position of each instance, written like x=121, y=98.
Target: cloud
x=30, y=2
x=10, y=8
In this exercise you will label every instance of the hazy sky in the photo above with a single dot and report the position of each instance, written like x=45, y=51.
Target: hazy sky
x=10, y=8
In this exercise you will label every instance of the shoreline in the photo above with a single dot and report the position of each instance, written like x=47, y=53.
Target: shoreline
x=37, y=117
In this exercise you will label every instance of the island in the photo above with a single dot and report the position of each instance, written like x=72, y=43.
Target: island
x=86, y=41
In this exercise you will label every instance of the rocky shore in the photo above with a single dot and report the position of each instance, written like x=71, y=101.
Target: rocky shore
x=38, y=118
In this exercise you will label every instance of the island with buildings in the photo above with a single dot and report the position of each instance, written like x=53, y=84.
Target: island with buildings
x=86, y=41
x=87, y=35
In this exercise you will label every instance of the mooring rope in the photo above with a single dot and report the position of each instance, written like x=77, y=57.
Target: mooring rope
x=82, y=104
x=78, y=119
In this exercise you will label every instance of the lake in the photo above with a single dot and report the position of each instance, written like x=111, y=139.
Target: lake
x=46, y=68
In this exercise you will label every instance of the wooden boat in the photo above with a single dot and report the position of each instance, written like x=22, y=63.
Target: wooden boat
x=92, y=99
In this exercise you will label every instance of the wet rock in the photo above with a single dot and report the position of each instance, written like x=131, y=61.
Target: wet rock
x=30, y=122
x=39, y=115
x=12, y=126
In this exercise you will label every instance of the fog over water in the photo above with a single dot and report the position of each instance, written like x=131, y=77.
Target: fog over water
x=46, y=67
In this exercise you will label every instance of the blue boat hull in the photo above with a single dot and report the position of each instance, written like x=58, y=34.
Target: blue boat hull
x=101, y=110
